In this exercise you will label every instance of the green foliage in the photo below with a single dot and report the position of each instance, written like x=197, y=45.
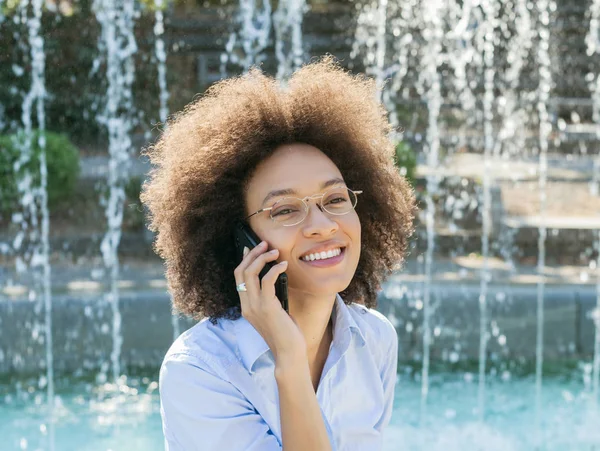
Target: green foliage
x=406, y=161
x=62, y=161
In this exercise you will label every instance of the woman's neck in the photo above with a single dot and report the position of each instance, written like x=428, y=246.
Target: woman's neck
x=313, y=317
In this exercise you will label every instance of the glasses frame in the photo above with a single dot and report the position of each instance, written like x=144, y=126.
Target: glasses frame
x=306, y=206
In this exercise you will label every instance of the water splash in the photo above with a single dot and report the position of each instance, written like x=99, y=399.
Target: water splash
x=245, y=46
x=117, y=39
x=381, y=45
x=161, y=57
x=593, y=47
x=517, y=51
x=163, y=96
x=400, y=17
x=34, y=199
x=370, y=41
x=432, y=55
x=463, y=57
x=289, y=50
x=488, y=26
x=545, y=127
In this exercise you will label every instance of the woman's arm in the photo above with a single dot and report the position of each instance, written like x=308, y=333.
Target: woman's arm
x=201, y=410
x=302, y=425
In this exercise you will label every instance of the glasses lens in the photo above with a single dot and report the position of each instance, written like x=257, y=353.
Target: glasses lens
x=339, y=201
x=288, y=211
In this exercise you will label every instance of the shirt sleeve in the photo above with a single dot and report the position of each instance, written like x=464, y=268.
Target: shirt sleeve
x=202, y=411
x=388, y=378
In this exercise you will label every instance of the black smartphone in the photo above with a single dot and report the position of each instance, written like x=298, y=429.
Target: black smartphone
x=243, y=235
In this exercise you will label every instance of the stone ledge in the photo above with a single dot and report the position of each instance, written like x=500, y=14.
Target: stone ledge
x=82, y=334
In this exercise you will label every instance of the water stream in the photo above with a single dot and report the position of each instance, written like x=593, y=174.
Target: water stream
x=163, y=93
x=434, y=34
x=289, y=50
x=545, y=128
x=488, y=29
x=35, y=218
x=247, y=42
x=471, y=47
x=593, y=47
x=369, y=45
x=117, y=19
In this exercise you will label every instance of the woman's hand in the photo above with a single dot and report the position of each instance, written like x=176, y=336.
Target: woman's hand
x=263, y=310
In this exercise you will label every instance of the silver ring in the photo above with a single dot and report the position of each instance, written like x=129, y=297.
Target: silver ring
x=241, y=287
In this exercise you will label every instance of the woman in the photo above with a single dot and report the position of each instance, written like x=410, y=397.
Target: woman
x=251, y=376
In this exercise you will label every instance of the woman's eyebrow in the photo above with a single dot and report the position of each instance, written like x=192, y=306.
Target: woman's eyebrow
x=288, y=191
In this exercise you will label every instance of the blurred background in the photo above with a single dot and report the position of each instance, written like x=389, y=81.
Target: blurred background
x=496, y=105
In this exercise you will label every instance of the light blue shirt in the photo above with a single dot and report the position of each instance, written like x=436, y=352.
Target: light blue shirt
x=218, y=390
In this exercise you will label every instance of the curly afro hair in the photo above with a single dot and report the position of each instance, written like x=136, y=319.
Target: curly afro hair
x=205, y=157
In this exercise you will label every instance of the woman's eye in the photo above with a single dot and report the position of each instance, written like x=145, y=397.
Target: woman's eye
x=337, y=200
x=286, y=211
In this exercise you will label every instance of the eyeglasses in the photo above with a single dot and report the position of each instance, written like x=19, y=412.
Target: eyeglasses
x=291, y=211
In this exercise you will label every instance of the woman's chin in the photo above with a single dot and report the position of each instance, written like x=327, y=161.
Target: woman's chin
x=320, y=289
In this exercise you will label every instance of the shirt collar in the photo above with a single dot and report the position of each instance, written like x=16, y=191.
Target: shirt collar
x=251, y=345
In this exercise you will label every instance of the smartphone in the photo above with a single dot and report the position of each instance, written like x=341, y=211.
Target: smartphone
x=244, y=236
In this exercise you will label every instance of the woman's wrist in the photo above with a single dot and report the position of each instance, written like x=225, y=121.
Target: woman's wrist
x=302, y=423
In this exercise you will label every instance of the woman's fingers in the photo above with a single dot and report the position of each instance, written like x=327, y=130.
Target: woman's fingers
x=268, y=281
x=247, y=259
x=248, y=272
x=251, y=273
x=261, y=308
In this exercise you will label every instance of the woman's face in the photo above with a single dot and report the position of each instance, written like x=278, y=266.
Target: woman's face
x=304, y=169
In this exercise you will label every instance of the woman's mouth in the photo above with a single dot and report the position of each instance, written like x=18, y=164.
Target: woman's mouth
x=325, y=261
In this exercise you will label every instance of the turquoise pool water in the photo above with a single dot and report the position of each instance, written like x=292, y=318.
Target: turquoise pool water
x=96, y=418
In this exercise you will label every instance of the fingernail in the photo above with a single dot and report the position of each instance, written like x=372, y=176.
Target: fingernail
x=283, y=263
x=274, y=251
x=246, y=250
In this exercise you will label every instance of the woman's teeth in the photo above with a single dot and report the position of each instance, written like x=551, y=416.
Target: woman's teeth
x=322, y=255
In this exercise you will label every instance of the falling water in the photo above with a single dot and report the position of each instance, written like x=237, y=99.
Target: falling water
x=513, y=117
x=401, y=18
x=488, y=117
x=161, y=57
x=433, y=34
x=36, y=197
x=464, y=55
x=117, y=21
x=370, y=41
x=545, y=127
x=250, y=38
x=381, y=47
x=593, y=47
x=163, y=96
x=516, y=56
x=287, y=22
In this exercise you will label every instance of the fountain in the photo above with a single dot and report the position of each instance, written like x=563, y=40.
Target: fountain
x=593, y=46
x=251, y=36
x=501, y=291
x=31, y=239
x=161, y=57
x=118, y=40
x=287, y=22
x=431, y=84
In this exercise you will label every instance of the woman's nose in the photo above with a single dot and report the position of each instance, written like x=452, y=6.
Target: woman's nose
x=319, y=221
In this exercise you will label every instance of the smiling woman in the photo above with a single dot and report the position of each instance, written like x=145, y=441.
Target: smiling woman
x=291, y=163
